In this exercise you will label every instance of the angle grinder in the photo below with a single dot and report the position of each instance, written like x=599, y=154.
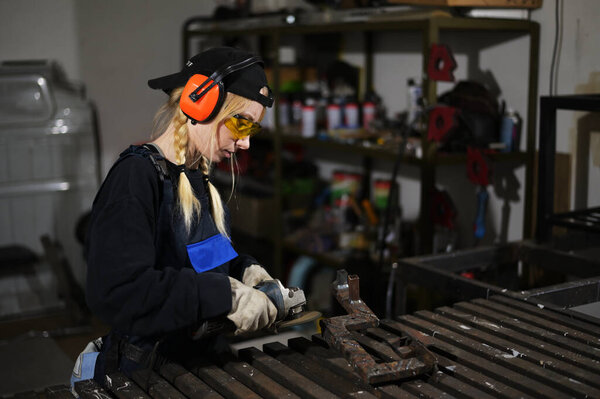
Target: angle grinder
x=291, y=310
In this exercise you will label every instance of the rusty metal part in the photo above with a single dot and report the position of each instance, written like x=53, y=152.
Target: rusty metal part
x=342, y=333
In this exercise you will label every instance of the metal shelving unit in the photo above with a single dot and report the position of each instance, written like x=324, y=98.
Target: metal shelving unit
x=431, y=24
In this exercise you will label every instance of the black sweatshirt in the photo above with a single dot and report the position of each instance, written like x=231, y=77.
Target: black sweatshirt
x=127, y=286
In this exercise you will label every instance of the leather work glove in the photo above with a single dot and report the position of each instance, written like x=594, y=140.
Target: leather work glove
x=255, y=274
x=251, y=310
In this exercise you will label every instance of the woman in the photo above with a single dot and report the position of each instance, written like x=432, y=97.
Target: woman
x=160, y=260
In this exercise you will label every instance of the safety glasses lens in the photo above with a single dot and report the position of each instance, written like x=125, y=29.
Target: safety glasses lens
x=241, y=127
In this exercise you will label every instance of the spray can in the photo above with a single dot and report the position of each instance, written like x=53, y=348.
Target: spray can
x=296, y=112
x=351, y=115
x=334, y=116
x=309, y=121
x=368, y=114
x=284, y=112
x=510, y=130
x=268, y=121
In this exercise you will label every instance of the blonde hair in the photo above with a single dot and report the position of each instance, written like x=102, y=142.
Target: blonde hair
x=170, y=113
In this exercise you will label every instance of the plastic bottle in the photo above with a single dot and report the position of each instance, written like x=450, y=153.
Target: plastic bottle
x=510, y=130
x=413, y=100
x=284, y=112
x=309, y=121
x=334, y=116
x=368, y=114
x=351, y=115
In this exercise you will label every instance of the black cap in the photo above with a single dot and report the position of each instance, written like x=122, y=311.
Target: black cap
x=245, y=82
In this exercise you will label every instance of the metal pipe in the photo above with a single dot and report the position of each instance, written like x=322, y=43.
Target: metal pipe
x=353, y=288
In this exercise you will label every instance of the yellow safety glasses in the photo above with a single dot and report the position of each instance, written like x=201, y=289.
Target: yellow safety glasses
x=241, y=127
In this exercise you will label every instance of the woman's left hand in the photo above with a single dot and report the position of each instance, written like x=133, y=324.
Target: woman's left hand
x=255, y=274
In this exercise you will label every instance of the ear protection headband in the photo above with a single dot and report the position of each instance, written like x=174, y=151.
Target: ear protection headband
x=203, y=96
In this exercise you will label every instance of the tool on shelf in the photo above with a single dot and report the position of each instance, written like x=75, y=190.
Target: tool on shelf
x=441, y=121
x=441, y=63
x=478, y=172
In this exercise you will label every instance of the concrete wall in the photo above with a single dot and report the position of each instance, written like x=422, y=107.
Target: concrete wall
x=578, y=73
x=40, y=29
x=122, y=45
x=115, y=46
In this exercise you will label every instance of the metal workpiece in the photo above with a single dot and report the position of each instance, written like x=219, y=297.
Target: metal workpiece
x=346, y=291
x=375, y=361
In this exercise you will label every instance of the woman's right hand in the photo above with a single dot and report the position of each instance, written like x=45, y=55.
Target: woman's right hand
x=251, y=310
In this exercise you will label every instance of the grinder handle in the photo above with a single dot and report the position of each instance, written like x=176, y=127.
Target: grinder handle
x=213, y=327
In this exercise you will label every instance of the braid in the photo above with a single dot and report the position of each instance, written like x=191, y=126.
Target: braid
x=188, y=203
x=215, y=198
x=170, y=113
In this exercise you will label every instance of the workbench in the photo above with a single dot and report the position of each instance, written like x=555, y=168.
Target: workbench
x=495, y=347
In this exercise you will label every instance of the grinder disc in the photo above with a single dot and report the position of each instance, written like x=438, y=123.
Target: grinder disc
x=304, y=318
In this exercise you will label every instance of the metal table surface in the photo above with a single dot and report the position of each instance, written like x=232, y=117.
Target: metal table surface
x=498, y=347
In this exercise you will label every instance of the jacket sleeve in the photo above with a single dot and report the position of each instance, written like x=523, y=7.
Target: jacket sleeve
x=124, y=288
x=239, y=264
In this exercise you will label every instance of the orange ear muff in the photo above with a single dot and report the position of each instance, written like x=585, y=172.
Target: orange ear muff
x=204, y=103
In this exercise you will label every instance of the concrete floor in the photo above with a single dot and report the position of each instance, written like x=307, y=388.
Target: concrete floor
x=38, y=352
